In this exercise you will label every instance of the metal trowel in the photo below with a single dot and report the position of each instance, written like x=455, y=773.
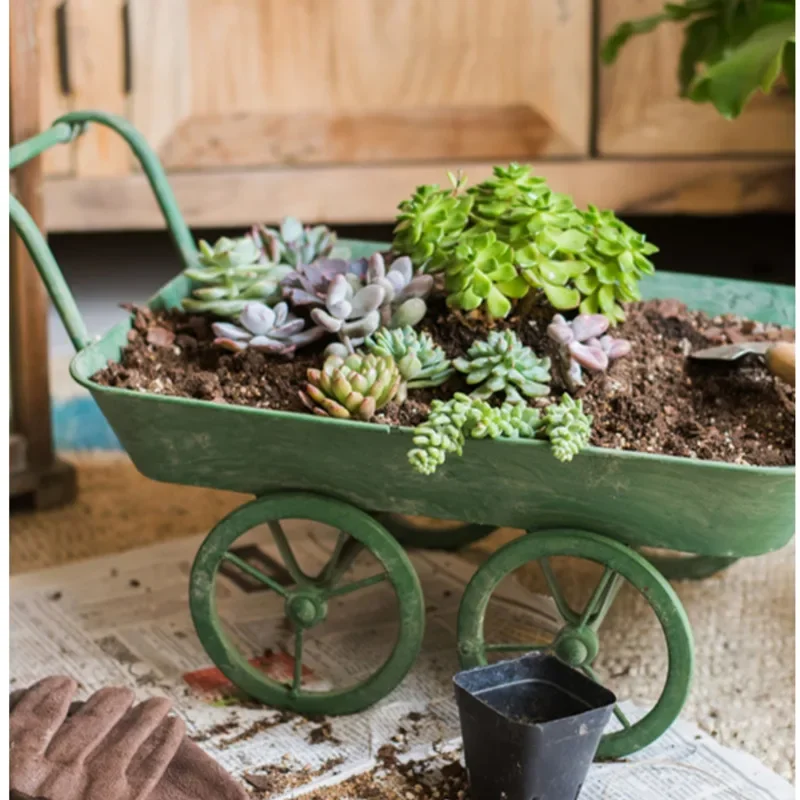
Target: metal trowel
x=778, y=355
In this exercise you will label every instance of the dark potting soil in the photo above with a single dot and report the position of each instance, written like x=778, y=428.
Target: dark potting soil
x=655, y=400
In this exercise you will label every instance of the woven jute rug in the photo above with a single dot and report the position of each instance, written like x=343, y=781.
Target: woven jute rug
x=743, y=619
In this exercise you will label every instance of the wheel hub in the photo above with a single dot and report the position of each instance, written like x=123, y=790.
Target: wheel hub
x=576, y=646
x=306, y=609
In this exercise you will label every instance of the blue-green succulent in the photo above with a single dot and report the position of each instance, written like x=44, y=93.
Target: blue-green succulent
x=420, y=360
x=231, y=274
x=502, y=363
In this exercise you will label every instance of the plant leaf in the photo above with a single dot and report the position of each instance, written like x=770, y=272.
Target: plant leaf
x=625, y=31
x=754, y=64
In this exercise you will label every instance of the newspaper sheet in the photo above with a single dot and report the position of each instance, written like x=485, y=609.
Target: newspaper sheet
x=124, y=620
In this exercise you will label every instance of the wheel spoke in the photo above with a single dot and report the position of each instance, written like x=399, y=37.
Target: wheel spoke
x=285, y=549
x=257, y=574
x=602, y=598
x=297, y=679
x=618, y=712
x=567, y=614
x=511, y=648
x=356, y=585
x=620, y=715
x=344, y=554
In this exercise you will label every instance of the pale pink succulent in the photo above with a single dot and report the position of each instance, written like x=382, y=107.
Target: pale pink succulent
x=584, y=344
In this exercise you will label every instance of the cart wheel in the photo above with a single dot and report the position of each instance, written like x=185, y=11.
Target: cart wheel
x=576, y=643
x=307, y=598
x=452, y=536
x=689, y=567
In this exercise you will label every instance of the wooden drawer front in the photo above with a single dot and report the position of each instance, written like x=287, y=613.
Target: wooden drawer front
x=218, y=83
x=640, y=112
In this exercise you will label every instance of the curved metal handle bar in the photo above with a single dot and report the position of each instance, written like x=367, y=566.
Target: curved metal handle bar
x=46, y=263
x=153, y=170
x=64, y=130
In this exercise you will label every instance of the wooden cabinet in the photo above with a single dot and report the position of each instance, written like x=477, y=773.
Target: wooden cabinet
x=257, y=83
x=335, y=109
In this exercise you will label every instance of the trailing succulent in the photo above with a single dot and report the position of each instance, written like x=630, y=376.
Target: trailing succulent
x=583, y=343
x=567, y=427
x=352, y=387
x=294, y=243
x=354, y=310
x=521, y=238
x=503, y=364
x=231, y=274
x=450, y=423
x=269, y=330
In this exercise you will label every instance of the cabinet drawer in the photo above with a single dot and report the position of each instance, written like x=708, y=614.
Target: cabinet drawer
x=237, y=83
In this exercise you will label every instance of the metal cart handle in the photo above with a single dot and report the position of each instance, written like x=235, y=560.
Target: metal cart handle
x=65, y=129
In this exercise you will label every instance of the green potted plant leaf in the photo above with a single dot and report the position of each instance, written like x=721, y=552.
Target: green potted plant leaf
x=731, y=48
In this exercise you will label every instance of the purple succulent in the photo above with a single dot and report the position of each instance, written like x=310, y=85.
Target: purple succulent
x=584, y=344
x=269, y=330
x=308, y=284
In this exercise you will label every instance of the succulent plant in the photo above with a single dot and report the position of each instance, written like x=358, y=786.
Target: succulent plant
x=481, y=270
x=403, y=292
x=293, y=243
x=522, y=237
x=269, y=330
x=431, y=221
x=503, y=364
x=567, y=427
x=351, y=315
x=420, y=360
x=618, y=259
x=450, y=423
x=581, y=343
x=308, y=284
x=233, y=273
x=352, y=387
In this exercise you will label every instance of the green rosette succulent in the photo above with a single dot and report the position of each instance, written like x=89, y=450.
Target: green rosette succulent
x=481, y=270
x=420, y=360
x=567, y=427
x=430, y=222
x=351, y=388
x=450, y=423
x=618, y=259
x=503, y=364
x=231, y=274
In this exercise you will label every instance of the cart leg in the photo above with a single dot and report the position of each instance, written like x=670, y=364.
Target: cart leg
x=308, y=600
x=577, y=639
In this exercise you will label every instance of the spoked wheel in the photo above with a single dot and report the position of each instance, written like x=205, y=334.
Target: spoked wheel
x=576, y=641
x=307, y=599
x=430, y=533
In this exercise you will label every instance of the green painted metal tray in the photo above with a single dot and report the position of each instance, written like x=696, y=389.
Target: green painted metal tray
x=700, y=507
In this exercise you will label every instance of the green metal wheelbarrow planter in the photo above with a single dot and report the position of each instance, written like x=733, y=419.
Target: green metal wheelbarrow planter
x=604, y=506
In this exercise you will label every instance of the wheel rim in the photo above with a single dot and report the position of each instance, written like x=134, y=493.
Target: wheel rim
x=306, y=602
x=576, y=643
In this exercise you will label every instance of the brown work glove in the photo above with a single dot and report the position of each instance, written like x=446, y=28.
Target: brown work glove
x=194, y=775
x=190, y=775
x=106, y=750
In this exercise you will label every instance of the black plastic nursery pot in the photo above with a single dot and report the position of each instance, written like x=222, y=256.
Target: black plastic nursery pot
x=531, y=727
